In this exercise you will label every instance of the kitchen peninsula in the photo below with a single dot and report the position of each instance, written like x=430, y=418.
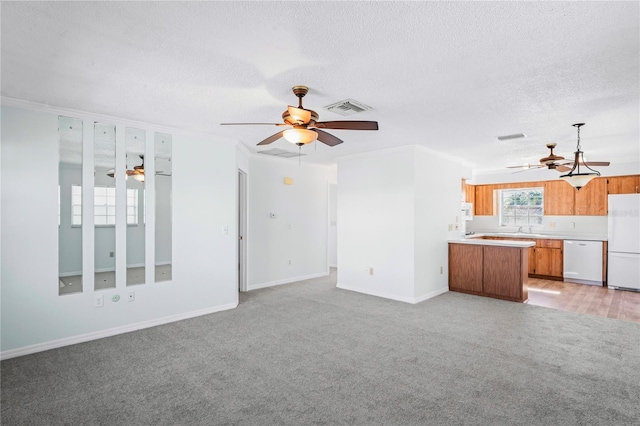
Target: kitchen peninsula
x=491, y=268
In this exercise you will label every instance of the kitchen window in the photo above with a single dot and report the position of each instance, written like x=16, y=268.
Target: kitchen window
x=521, y=207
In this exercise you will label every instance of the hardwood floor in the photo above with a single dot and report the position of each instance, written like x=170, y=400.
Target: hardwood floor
x=586, y=299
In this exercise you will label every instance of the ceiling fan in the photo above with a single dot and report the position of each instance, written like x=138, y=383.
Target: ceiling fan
x=558, y=163
x=137, y=172
x=551, y=162
x=305, y=127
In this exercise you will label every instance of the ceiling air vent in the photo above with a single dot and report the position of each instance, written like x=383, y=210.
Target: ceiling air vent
x=280, y=153
x=514, y=136
x=347, y=107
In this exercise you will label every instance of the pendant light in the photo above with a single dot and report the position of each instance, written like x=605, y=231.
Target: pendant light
x=575, y=177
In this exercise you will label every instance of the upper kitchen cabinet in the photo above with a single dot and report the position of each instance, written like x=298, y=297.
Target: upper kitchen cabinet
x=469, y=193
x=558, y=198
x=591, y=199
x=484, y=200
x=623, y=184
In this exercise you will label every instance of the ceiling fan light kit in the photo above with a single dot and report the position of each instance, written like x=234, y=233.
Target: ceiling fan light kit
x=300, y=136
x=576, y=178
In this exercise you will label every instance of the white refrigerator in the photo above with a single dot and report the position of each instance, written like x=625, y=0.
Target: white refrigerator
x=623, y=263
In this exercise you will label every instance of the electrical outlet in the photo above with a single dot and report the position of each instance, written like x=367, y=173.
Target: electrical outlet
x=132, y=296
x=572, y=225
x=552, y=224
x=98, y=301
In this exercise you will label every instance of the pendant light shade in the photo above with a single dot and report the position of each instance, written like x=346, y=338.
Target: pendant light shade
x=575, y=177
x=300, y=136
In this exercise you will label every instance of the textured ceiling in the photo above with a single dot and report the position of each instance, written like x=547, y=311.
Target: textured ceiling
x=451, y=76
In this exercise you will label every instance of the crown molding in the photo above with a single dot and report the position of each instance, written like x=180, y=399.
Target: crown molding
x=69, y=112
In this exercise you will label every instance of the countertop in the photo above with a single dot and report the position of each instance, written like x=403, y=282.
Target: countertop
x=500, y=243
x=536, y=236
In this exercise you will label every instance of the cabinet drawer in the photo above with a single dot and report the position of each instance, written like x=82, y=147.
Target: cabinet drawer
x=549, y=243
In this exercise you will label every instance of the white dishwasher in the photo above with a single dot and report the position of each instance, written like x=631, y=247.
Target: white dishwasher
x=583, y=262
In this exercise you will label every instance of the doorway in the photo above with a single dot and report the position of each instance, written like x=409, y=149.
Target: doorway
x=242, y=231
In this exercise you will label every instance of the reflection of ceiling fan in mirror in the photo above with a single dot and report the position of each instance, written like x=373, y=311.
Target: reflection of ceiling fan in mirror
x=305, y=127
x=137, y=172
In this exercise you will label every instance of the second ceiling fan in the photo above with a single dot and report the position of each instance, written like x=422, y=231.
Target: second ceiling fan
x=557, y=162
x=305, y=127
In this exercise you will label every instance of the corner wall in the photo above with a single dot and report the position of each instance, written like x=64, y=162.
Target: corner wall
x=394, y=208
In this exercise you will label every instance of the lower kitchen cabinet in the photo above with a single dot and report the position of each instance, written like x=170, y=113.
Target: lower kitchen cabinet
x=548, y=263
x=545, y=259
x=489, y=270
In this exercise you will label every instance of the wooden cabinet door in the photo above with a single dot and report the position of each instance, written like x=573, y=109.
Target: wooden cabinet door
x=503, y=271
x=465, y=267
x=548, y=262
x=470, y=194
x=484, y=200
x=532, y=260
x=591, y=199
x=623, y=184
x=558, y=198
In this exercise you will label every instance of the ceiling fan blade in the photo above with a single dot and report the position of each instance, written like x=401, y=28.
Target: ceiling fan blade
x=347, y=125
x=299, y=115
x=590, y=163
x=561, y=168
x=271, y=138
x=253, y=124
x=526, y=166
x=327, y=138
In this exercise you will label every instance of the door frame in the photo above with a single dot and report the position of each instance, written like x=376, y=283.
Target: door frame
x=242, y=231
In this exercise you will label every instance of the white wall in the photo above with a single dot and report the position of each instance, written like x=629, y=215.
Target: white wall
x=394, y=210
x=299, y=230
x=376, y=223
x=333, y=225
x=438, y=193
x=34, y=317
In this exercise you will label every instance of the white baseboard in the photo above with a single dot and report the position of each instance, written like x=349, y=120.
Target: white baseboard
x=81, y=338
x=412, y=300
x=431, y=294
x=286, y=281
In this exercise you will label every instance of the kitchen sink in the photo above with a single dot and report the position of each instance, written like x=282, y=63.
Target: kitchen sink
x=520, y=235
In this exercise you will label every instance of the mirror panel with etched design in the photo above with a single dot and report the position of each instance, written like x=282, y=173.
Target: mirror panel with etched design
x=104, y=204
x=135, y=145
x=163, y=205
x=70, y=206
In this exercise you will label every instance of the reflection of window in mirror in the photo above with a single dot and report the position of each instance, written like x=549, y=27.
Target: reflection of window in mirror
x=163, y=184
x=69, y=206
x=105, y=205
x=135, y=181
